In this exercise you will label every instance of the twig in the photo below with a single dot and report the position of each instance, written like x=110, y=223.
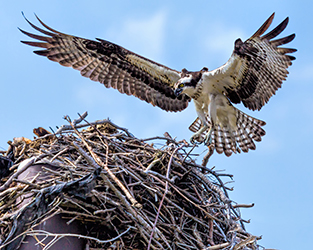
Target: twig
x=165, y=192
x=184, y=205
x=206, y=158
x=106, y=168
x=219, y=246
x=105, y=121
x=116, y=191
x=60, y=236
x=243, y=205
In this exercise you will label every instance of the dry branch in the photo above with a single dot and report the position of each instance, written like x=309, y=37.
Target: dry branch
x=128, y=194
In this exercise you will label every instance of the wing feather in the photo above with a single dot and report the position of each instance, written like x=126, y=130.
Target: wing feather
x=112, y=65
x=257, y=67
x=275, y=32
x=264, y=27
x=283, y=40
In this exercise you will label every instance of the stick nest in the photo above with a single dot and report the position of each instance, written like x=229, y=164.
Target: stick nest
x=127, y=193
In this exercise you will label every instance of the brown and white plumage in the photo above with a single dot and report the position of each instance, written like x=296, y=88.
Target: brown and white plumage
x=257, y=67
x=112, y=65
x=254, y=72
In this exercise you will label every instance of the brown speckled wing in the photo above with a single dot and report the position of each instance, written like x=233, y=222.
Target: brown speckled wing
x=111, y=65
x=257, y=67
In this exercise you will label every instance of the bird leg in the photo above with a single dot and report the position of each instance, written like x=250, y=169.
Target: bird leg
x=196, y=135
x=208, y=138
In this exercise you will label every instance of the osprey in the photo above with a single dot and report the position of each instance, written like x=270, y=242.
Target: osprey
x=254, y=72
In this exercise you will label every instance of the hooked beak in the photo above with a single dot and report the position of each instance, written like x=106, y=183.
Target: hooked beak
x=178, y=91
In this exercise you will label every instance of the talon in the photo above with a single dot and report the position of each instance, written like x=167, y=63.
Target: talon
x=194, y=138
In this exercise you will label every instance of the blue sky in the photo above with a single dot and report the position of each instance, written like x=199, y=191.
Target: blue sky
x=276, y=177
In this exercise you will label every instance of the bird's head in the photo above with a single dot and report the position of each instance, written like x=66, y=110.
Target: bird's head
x=187, y=84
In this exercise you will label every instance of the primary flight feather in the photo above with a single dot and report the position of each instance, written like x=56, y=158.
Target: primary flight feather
x=254, y=72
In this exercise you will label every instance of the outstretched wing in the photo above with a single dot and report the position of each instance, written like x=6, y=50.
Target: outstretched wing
x=256, y=68
x=112, y=65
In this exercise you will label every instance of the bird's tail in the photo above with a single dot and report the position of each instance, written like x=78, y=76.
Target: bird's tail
x=228, y=141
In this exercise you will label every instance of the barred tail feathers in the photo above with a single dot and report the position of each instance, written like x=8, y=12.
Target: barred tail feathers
x=230, y=141
x=224, y=140
x=247, y=131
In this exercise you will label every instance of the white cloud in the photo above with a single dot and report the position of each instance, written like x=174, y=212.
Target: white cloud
x=143, y=36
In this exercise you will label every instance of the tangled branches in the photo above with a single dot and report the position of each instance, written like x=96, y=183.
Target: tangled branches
x=125, y=192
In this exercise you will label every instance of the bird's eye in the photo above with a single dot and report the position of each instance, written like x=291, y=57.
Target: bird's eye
x=181, y=85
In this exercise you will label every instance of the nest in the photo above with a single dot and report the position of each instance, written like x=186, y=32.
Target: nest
x=127, y=193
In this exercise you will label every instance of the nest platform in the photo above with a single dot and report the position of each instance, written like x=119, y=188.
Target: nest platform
x=120, y=191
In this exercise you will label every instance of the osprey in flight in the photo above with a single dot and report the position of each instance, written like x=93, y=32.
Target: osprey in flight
x=254, y=72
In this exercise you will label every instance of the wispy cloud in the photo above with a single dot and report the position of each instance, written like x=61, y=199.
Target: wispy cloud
x=220, y=41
